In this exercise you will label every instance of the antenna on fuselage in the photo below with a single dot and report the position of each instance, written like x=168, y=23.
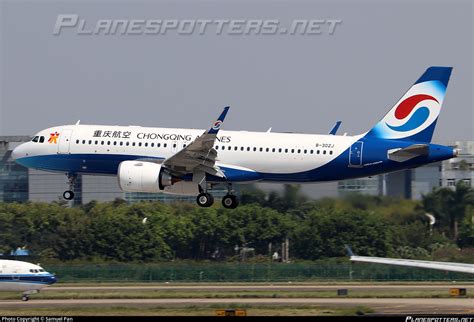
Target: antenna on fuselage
x=78, y=121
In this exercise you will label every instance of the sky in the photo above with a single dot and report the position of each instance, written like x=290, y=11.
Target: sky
x=290, y=82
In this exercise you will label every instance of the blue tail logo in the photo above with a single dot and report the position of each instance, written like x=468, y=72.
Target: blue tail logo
x=415, y=114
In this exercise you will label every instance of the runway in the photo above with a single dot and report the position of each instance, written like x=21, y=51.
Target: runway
x=385, y=306
x=261, y=287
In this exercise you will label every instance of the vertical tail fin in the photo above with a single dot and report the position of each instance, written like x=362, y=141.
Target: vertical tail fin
x=415, y=114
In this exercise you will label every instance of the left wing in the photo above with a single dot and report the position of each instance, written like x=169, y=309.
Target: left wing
x=199, y=155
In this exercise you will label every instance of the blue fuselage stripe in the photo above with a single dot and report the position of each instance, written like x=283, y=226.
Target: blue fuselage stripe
x=373, y=161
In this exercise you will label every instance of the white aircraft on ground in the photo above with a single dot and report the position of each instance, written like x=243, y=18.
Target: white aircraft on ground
x=18, y=276
x=192, y=162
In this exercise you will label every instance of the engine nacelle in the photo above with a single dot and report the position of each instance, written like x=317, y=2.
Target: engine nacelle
x=142, y=176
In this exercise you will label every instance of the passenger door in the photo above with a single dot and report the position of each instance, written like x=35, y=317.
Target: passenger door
x=64, y=141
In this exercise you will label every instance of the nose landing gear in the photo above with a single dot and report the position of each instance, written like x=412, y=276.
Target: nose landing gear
x=69, y=194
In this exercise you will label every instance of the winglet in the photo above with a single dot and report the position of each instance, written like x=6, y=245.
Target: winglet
x=218, y=123
x=349, y=251
x=335, y=128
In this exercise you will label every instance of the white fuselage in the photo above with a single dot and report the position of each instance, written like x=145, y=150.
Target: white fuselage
x=22, y=276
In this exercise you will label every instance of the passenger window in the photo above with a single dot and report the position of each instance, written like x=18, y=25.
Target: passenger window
x=248, y=148
x=139, y=143
x=217, y=147
x=146, y=144
x=158, y=145
x=279, y=150
x=330, y=152
x=108, y=142
x=317, y=152
x=174, y=145
x=286, y=150
x=152, y=145
x=311, y=151
x=235, y=148
x=267, y=149
x=292, y=150
x=90, y=141
x=229, y=148
x=254, y=149
x=115, y=142
x=121, y=143
x=324, y=151
x=83, y=141
x=299, y=151
x=77, y=141
x=241, y=148
x=102, y=142
x=41, y=139
x=261, y=149
x=305, y=151
x=164, y=145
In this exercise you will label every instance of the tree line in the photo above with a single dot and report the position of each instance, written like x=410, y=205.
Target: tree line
x=316, y=229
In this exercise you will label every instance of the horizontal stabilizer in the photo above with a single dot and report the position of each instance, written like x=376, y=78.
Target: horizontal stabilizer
x=410, y=152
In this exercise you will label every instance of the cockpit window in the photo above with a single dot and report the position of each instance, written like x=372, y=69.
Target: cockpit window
x=41, y=139
x=41, y=270
x=35, y=139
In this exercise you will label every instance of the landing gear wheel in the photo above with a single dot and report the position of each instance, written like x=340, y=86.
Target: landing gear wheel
x=205, y=199
x=230, y=202
x=25, y=298
x=68, y=195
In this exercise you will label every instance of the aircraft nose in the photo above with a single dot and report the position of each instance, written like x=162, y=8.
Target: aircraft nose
x=18, y=152
x=51, y=279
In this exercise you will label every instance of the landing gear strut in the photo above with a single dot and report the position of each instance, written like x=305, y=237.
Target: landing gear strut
x=230, y=201
x=69, y=194
x=25, y=298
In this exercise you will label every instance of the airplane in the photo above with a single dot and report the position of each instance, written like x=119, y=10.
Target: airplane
x=445, y=266
x=193, y=162
x=23, y=277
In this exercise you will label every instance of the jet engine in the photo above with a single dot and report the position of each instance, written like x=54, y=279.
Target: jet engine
x=142, y=176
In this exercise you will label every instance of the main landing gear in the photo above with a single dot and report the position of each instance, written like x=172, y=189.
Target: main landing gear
x=229, y=201
x=69, y=194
